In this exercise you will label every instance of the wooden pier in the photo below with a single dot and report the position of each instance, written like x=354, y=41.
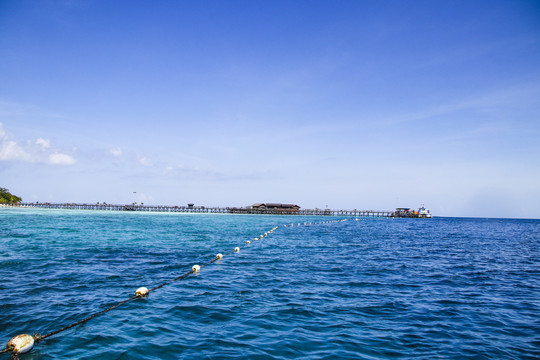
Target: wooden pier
x=210, y=210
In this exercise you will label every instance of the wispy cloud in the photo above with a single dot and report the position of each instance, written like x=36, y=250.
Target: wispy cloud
x=61, y=159
x=210, y=174
x=116, y=152
x=516, y=96
x=38, y=151
x=11, y=110
x=44, y=143
x=144, y=161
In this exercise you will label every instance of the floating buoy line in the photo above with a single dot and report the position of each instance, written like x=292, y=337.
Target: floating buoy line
x=23, y=343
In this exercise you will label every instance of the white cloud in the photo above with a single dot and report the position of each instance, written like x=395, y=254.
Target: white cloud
x=117, y=152
x=61, y=159
x=10, y=150
x=37, y=151
x=44, y=143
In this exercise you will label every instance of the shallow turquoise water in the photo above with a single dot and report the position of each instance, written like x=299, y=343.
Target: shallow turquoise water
x=370, y=289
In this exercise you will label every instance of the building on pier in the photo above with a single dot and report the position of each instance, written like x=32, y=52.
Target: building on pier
x=276, y=207
x=403, y=212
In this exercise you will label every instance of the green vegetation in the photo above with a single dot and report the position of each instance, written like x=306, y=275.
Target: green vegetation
x=7, y=197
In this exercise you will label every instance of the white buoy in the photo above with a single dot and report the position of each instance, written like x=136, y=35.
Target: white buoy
x=256, y=239
x=219, y=256
x=261, y=236
x=248, y=242
x=20, y=344
x=142, y=291
x=236, y=249
x=265, y=234
x=196, y=268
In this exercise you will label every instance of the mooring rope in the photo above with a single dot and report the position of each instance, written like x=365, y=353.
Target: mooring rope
x=39, y=338
x=24, y=342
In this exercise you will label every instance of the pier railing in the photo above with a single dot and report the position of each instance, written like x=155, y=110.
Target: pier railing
x=209, y=210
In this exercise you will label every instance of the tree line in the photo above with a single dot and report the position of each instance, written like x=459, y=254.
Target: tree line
x=7, y=197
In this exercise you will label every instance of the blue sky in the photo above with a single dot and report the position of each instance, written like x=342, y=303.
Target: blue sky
x=345, y=104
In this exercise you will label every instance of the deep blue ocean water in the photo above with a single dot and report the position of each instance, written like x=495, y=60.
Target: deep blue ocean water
x=442, y=288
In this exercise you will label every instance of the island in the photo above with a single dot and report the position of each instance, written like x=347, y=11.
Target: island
x=7, y=198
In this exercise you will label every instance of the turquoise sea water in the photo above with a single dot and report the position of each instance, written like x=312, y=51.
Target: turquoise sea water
x=442, y=288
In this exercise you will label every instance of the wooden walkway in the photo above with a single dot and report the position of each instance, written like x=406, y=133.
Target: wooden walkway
x=209, y=210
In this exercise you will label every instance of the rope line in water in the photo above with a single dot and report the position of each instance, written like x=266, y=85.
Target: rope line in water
x=38, y=337
x=24, y=342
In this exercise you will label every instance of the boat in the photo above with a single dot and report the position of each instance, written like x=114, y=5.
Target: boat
x=423, y=212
